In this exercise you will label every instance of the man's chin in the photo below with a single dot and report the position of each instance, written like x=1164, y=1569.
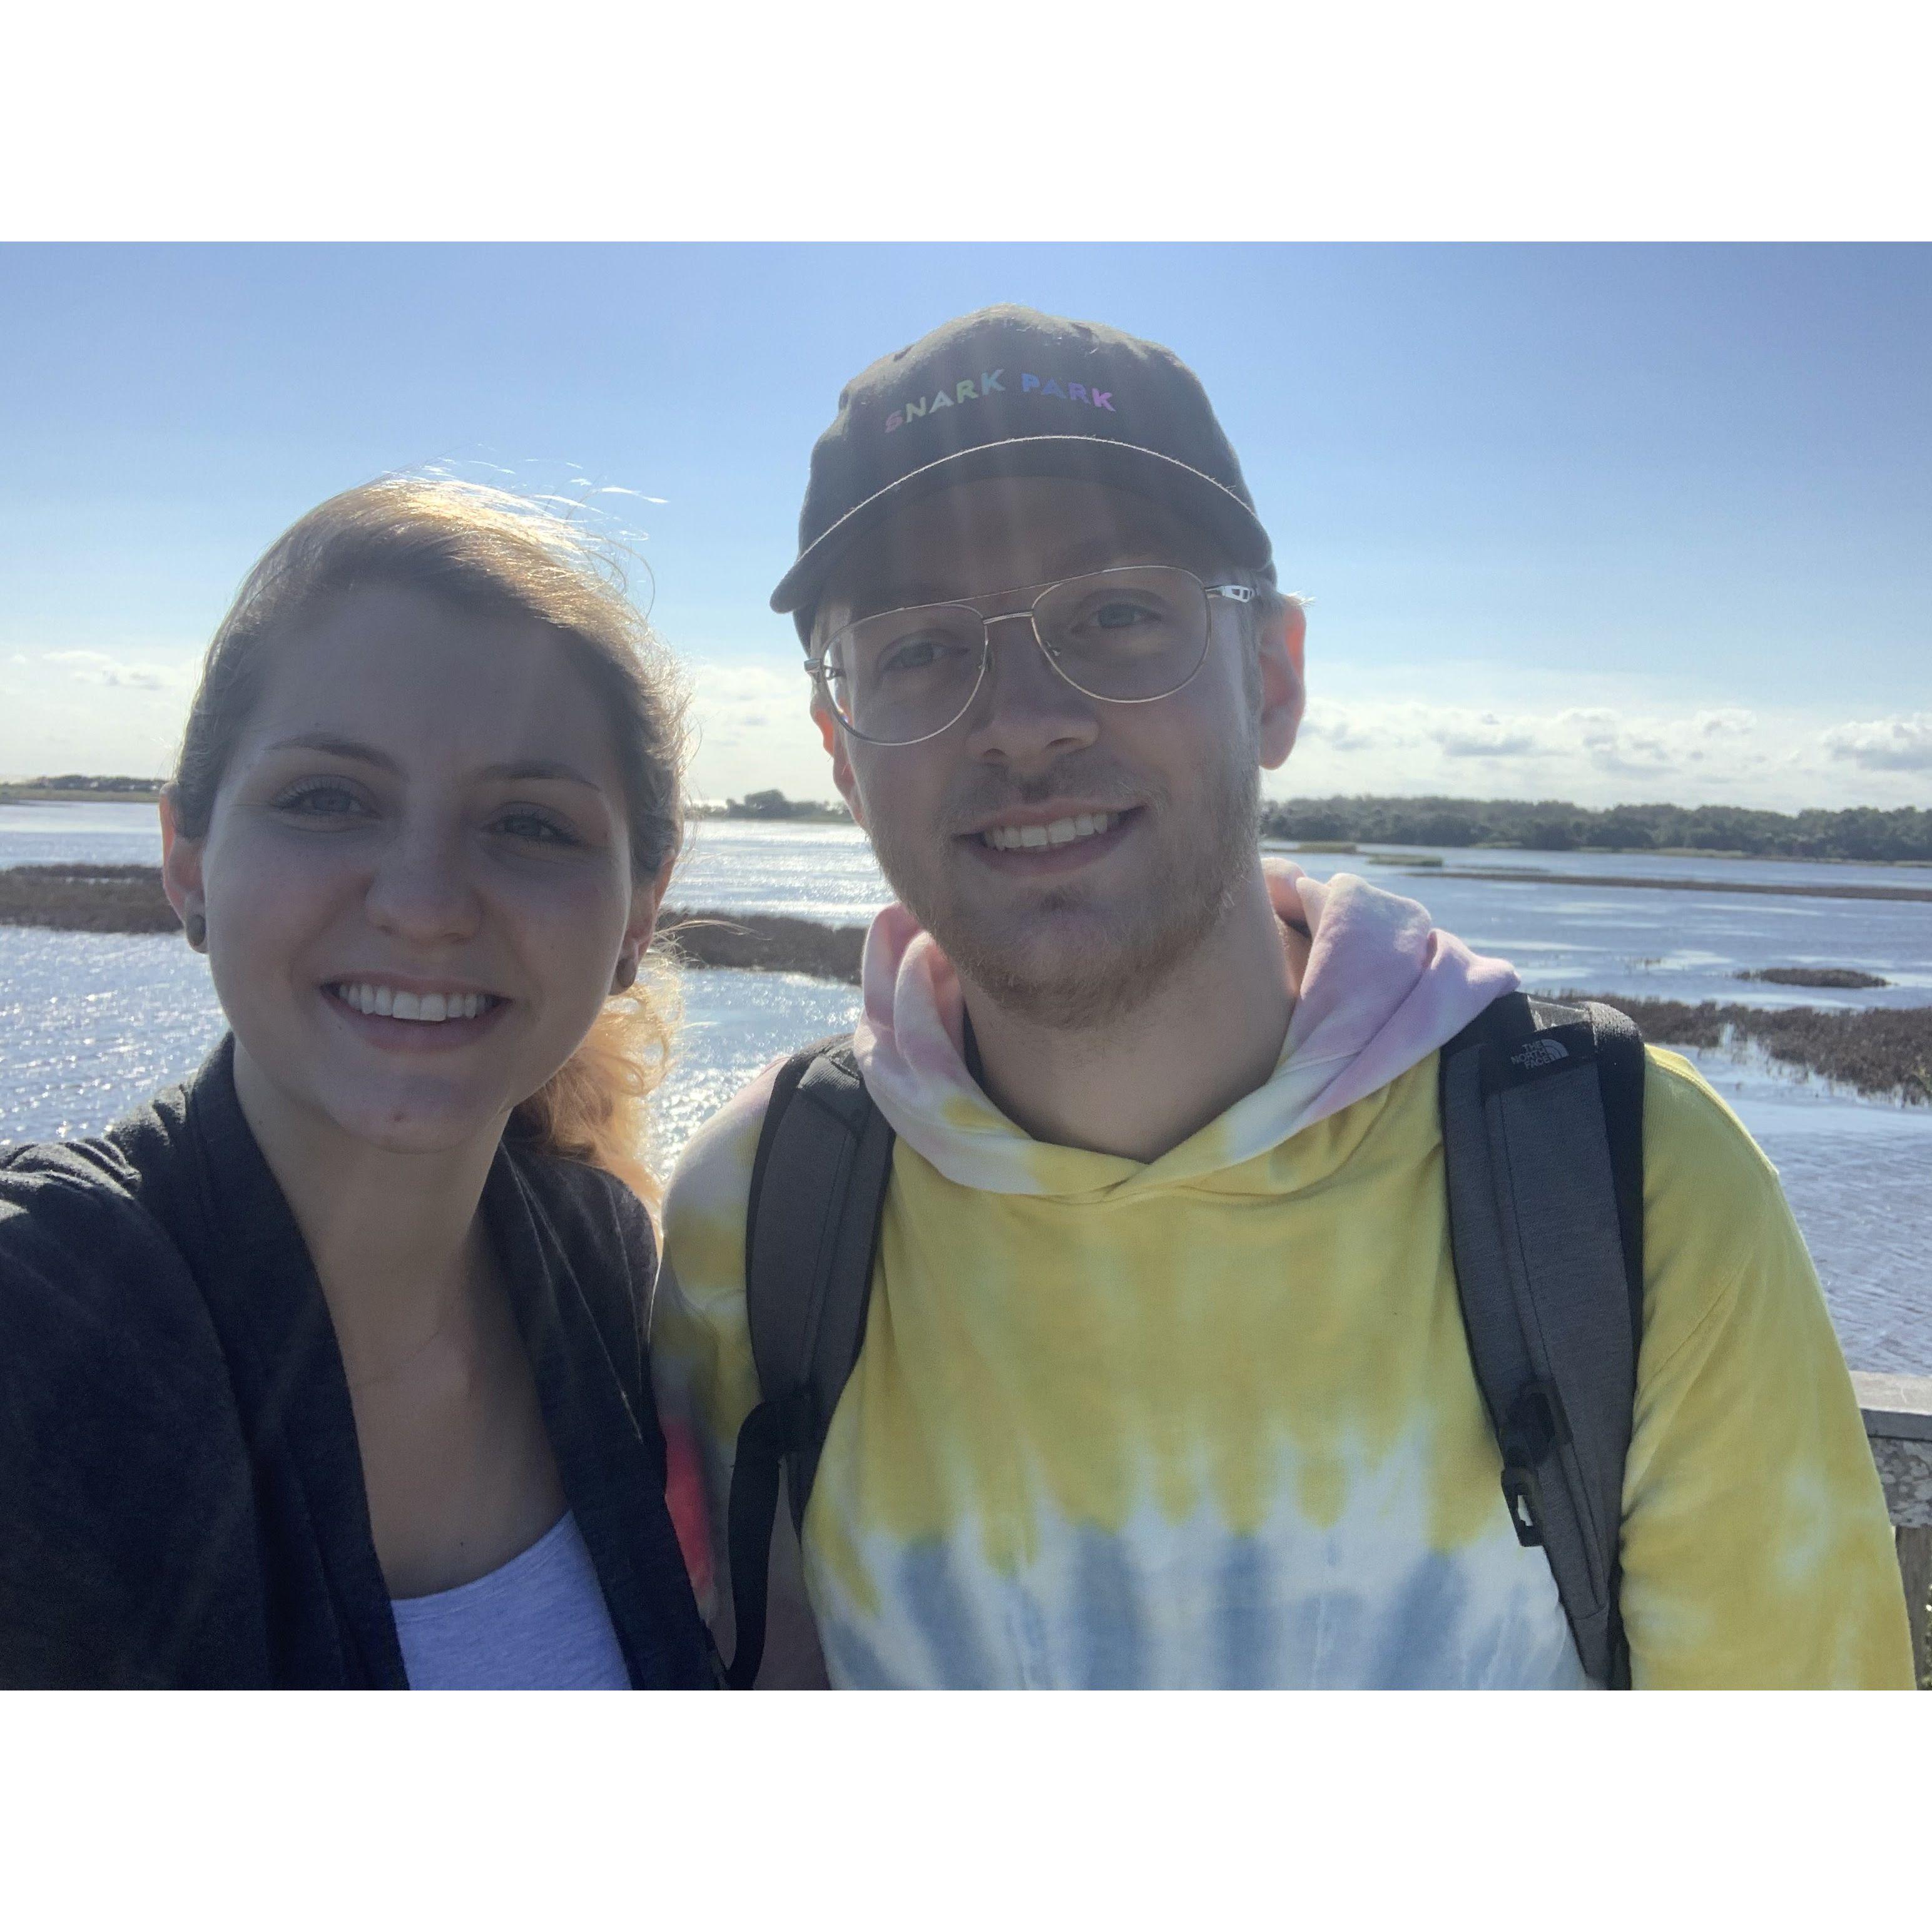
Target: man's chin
x=1065, y=968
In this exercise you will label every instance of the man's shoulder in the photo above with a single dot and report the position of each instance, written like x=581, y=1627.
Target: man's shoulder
x=1693, y=1139
x=1714, y=1211
x=711, y=1187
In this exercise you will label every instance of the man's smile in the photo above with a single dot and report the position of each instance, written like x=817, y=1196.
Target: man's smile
x=1044, y=840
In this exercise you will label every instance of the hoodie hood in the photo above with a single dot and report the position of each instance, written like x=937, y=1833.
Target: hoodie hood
x=1377, y=988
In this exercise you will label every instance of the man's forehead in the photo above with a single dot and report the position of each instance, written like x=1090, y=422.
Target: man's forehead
x=955, y=545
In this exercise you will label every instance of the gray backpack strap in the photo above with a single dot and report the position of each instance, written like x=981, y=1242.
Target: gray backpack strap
x=1542, y=1131
x=818, y=1189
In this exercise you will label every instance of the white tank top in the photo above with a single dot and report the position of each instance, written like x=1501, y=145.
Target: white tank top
x=538, y=1623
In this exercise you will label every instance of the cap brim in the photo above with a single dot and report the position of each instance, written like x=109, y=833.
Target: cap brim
x=1162, y=479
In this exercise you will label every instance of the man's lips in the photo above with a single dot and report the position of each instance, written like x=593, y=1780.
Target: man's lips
x=1051, y=839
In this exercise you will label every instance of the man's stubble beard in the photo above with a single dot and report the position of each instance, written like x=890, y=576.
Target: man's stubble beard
x=1102, y=967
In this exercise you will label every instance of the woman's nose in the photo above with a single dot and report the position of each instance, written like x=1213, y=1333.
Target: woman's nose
x=422, y=890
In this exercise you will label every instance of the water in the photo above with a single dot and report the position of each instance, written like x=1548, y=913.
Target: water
x=89, y=1024
x=121, y=835
x=1676, y=945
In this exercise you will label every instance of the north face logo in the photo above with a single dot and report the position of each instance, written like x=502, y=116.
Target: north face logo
x=1539, y=1053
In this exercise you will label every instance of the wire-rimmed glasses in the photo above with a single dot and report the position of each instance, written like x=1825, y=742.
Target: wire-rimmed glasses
x=1125, y=636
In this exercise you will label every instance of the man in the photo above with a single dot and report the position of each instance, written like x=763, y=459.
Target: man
x=1163, y=1379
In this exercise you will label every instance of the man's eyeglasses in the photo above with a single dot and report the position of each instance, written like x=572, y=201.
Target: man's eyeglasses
x=1126, y=636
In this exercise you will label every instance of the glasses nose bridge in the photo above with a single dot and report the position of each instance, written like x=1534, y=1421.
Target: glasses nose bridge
x=1027, y=614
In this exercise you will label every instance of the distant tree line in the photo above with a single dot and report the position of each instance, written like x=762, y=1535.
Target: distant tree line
x=1551, y=825
x=774, y=804
x=82, y=781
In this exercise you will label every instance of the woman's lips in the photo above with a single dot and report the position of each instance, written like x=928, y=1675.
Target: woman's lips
x=410, y=1026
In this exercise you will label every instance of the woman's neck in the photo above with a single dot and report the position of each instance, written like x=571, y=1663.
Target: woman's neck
x=395, y=1237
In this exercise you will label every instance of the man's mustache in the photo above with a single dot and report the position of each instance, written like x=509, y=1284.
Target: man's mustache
x=1099, y=786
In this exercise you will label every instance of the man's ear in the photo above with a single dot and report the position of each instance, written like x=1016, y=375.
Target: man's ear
x=1284, y=692
x=181, y=863
x=842, y=775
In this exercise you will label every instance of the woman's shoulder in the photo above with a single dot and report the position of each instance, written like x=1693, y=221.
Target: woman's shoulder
x=86, y=1258
x=591, y=1210
x=602, y=1235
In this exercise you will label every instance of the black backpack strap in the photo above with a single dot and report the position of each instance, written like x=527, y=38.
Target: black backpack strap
x=1543, y=1143
x=818, y=1189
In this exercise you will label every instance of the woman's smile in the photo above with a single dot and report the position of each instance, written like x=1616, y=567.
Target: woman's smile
x=401, y=1015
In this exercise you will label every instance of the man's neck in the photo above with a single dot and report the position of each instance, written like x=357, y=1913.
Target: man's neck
x=1140, y=1084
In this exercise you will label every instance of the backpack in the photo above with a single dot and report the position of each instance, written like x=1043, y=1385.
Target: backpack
x=1542, y=1108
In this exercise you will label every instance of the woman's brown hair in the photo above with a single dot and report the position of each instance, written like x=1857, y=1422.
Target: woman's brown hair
x=485, y=550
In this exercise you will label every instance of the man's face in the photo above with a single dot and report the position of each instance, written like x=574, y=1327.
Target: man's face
x=1073, y=932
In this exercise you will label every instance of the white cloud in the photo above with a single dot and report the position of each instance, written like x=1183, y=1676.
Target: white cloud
x=1488, y=736
x=1499, y=734
x=1598, y=754
x=96, y=667
x=754, y=731
x=1886, y=744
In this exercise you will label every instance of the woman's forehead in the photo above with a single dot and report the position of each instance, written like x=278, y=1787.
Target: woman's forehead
x=427, y=679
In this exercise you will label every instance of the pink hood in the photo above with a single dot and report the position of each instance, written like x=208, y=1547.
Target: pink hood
x=1380, y=989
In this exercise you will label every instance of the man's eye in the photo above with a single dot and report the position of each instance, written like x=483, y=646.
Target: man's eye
x=1123, y=615
x=914, y=654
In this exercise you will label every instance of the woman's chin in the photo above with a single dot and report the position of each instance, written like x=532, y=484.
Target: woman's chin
x=412, y=1118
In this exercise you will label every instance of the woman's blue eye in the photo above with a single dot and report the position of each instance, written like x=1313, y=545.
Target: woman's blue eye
x=1121, y=616
x=530, y=825
x=324, y=800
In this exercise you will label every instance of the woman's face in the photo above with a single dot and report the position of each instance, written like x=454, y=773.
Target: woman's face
x=417, y=876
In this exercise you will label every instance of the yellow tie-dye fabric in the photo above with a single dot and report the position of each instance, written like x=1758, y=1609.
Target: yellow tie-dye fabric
x=1224, y=1431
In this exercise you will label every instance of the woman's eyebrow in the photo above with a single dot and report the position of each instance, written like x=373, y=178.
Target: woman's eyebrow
x=539, y=768
x=339, y=747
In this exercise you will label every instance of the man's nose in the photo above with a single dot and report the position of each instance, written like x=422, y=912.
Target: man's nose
x=1027, y=714
x=422, y=891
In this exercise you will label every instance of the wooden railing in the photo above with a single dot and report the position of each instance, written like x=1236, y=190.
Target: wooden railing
x=1897, y=1411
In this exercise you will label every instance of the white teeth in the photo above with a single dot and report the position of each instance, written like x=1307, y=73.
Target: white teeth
x=1061, y=831
x=427, y=1008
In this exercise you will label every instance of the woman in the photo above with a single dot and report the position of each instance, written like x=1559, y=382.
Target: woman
x=326, y=1367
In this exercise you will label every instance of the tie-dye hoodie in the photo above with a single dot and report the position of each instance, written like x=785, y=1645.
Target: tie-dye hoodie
x=1210, y=1420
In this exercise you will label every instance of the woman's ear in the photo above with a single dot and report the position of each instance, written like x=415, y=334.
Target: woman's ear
x=181, y=868
x=646, y=899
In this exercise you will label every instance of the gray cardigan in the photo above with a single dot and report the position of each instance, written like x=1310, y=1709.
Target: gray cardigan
x=180, y=1490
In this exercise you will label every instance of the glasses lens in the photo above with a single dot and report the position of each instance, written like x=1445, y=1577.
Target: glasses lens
x=906, y=674
x=1136, y=633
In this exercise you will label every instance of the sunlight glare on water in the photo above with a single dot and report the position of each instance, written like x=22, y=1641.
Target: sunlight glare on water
x=91, y=1023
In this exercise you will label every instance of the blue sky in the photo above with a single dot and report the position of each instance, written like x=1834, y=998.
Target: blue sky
x=1606, y=523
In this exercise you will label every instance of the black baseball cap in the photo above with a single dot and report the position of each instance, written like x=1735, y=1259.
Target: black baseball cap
x=1008, y=392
